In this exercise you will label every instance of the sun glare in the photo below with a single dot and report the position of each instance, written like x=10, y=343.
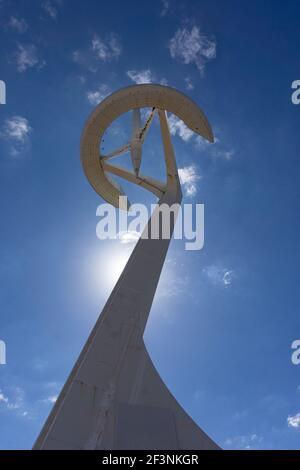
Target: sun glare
x=105, y=267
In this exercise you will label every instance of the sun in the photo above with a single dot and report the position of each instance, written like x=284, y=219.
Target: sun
x=104, y=267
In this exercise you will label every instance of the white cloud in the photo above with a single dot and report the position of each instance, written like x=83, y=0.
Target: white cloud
x=192, y=47
x=99, y=51
x=106, y=50
x=188, y=83
x=173, y=282
x=218, y=275
x=201, y=143
x=18, y=24
x=77, y=56
x=188, y=178
x=12, y=404
x=164, y=82
x=115, y=45
x=251, y=442
x=177, y=126
x=130, y=236
x=27, y=57
x=173, y=286
x=39, y=364
x=165, y=7
x=50, y=400
x=3, y=398
x=145, y=76
x=16, y=402
x=52, y=385
x=142, y=76
x=51, y=7
x=216, y=150
x=222, y=153
x=16, y=129
x=96, y=96
x=294, y=421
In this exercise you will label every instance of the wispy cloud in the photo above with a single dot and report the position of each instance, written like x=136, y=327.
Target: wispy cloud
x=165, y=7
x=106, y=50
x=188, y=83
x=78, y=56
x=173, y=282
x=3, y=398
x=39, y=364
x=192, y=47
x=26, y=57
x=177, y=127
x=201, y=143
x=16, y=128
x=18, y=24
x=142, y=76
x=215, y=151
x=294, y=421
x=51, y=8
x=222, y=153
x=50, y=400
x=52, y=385
x=96, y=96
x=164, y=82
x=244, y=442
x=219, y=275
x=99, y=50
x=189, y=179
x=14, y=403
x=15, y=131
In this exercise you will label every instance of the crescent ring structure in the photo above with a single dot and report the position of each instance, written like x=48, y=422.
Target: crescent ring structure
x=133, y=97
x=114, y=398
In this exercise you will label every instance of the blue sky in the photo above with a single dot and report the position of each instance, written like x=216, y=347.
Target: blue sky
x=224, y=318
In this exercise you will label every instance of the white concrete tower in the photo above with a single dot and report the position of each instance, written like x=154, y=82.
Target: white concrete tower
x=114, y=397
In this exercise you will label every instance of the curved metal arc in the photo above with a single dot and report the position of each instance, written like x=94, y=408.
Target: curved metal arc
x=136, y=96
